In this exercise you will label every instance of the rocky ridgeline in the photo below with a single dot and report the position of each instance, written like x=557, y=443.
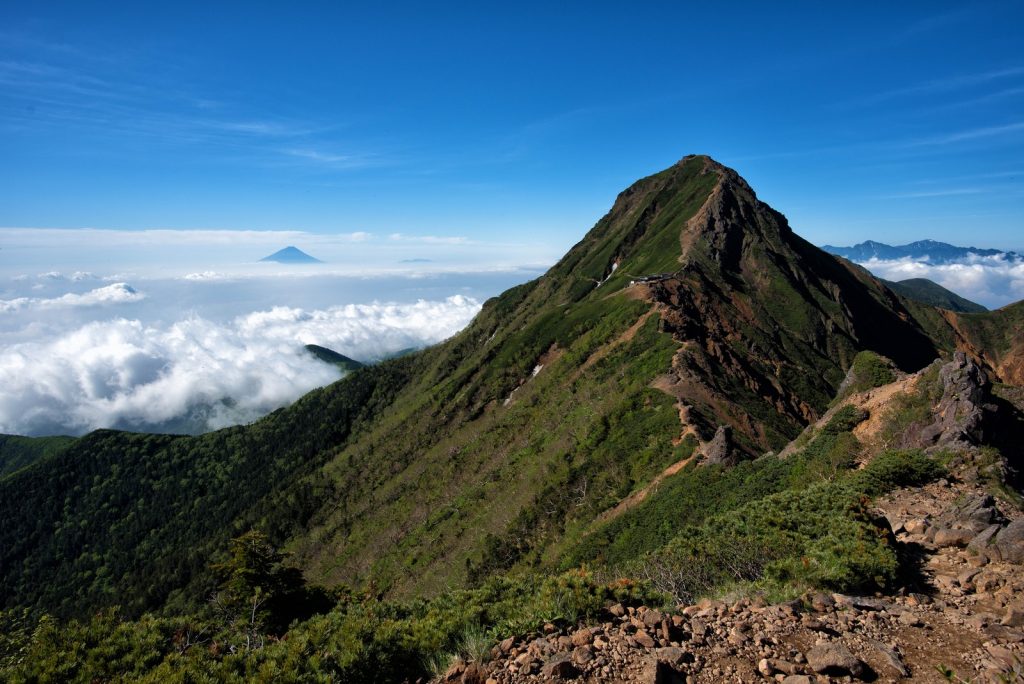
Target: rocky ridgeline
x=822, y=638
x=958, y=617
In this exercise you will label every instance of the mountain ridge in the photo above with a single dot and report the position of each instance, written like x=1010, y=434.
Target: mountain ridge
x=932, y=250
x=494, y=451
x=929, y=292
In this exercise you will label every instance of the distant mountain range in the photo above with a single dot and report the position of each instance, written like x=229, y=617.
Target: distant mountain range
x=930, y=250
x=291, y=255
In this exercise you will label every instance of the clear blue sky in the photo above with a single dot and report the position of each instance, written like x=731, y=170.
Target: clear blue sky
x=890, y=121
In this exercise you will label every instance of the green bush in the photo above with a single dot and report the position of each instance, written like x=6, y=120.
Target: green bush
x=871, y=370
x=820, y=535
x=365, y=640
x=897, y=468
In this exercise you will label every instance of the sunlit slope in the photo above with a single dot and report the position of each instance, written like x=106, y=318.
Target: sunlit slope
x=495, y=449
x=571, y=392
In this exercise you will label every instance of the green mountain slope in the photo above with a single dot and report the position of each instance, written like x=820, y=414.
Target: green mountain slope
x=16, y=451
x=931, y=293
x=994, y=338
x=499, y=449
x=334, y=358
x=122, y=518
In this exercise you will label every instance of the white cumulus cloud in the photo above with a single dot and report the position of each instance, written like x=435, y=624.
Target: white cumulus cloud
x=196, y=374
x=116, y=293
x=993, y=281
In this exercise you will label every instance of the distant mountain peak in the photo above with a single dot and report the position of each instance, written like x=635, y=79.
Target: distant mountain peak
x=291, y=255
x=934, y=251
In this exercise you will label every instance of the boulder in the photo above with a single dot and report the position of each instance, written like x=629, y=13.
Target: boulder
x=833, y=658
x=644, y=639
x=1010, y=542
x=581, y=655
x=659, y=672
x=891, y=657
x=560, y=666
x=582, y=636
x=652, y=618
x=956, y=536
x=982, y=540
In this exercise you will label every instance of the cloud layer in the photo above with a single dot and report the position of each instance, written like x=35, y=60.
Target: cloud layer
x=117, y=293
x=992, y=281
x=196, y=374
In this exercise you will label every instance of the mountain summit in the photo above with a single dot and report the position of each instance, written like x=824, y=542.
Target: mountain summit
x=689, y=327
x=291, y=255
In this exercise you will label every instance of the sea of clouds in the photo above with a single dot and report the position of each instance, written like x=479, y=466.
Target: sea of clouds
x=188, y=331
x=993, y=281
x=116, y=355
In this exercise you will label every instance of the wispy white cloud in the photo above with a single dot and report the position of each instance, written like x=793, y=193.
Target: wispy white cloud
x=121, y=104
x=947, y=192
x=328, y=159
x=970, y=134
x=157, y=237
x=947, y=84
x=431, y=239
x=161, y=237
x=970, y=177
x=935, y=22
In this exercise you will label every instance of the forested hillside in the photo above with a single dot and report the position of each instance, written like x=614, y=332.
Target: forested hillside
x=690, y=326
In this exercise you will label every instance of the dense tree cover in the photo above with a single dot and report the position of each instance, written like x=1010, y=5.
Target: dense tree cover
x=132, y=519
x=820, y=535
x=16, y=451
x=361, y=639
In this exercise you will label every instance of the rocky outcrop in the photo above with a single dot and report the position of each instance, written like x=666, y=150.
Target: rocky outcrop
x=964, y=522
x=976, y=523
x=721, y=450
x=960, y=614
x=960, y=413
x=819, y=638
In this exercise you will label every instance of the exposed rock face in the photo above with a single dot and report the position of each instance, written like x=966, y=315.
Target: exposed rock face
x=960, y=415
x=721, y=450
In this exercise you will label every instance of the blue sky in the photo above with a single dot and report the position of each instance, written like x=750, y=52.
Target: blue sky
x=891, y=121
x=432, y=157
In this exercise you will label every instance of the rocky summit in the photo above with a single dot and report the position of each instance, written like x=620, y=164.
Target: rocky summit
x=698, y=448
